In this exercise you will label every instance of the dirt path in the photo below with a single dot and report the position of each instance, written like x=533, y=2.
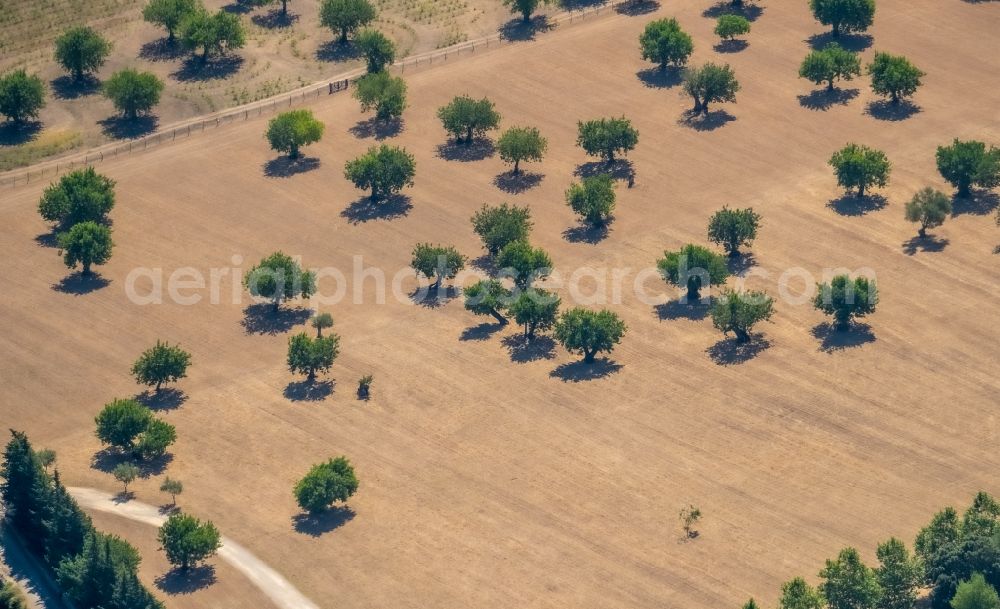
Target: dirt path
x=276, y=587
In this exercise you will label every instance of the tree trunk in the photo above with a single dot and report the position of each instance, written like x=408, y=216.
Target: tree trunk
x=841, y=324
x=742, y=335
x=836, y=30
x=829, y=86
x=922, y=232
x=284, y=8
x=468, y=136
x=861, y=191
x=171, y=38
x=704, y=108
x=500, y=318
x=319, y=332
x=277, y=304
x=311, y=376
x=895, y=98
x=343, y=35
x=588, y=355
x=158, y=383
x=526, y=17
x=517, y=163
x=693, y=293
x=964, y=190
x=86, y=269
x=293, y=153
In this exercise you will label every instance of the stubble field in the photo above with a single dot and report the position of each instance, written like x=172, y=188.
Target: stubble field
x=493, y=477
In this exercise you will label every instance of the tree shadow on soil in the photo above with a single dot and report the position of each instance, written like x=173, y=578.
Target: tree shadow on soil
x=887, y=111
x=433, y=298
x=161, y=50
x=308, y=391
x=853, y=205
x=261, y=318
x=516, y=183
x=284, y=167
x=365, y=210
x=15, y=134
x=587, y=233
x=338, y=51
x=67, y=87
x=637, y=7
x=106, y=459
x=481, y=332
x=178, y=582
x=377, y=128
x=218, y=67
x=484, y=263
x=655, y=78
x=517, y=30
x=121, y=128
x=241, y=7
x=980, y=203
x=168, y=398
x=929, y=243
x=852, y=42
x=575, y=372
x=618, y=169
x=739, y=265
x=734, y=45
x=49, y=239
x=711, y=121
x=729, y=351
x=479, y=149
x=675, y=309
x=831, y=340
x=79, y=284
x=522, y=350
x=750, y=11
x=315, y=525
x=824, y=99
x=274, y=19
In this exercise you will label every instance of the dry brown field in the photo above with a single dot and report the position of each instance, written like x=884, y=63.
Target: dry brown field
x=491, y=477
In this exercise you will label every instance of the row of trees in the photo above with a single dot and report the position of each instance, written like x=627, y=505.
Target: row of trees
x=892, y=75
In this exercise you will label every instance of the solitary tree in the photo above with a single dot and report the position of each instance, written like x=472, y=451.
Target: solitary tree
x=378, y=50
x=524, y=263
x=895, y=76
x=521, y=144
x=844, y=16
x=126, y=473
x=728, y=27
x=860, y=167
x=169, y=14
x=385, y=170
x=346, y=16
x=81, y=50
x=173, y=488
x=969, y=163
x=21, y=96
x=593, y=198
x=79, y=196
x=739, y=312
x=929, y=208
x=321, y=322
x=436, y=262
x=162, y=363
x=689, y=518
x=121, y=422
x=278, y=277
x=898, y=574
x=382, y=92
x=693, y=267
x=133, y=92
x=466, y=118
x=524, y=7
x=830, y=64
x=307, y=355
x=535, y=309
x=848, y=583
x=733, y=228
x=325, y=484
x=290, y=130
x=975, y=593
x=212, y=33
x=710, y=83
x=607, y=136
x=501, y=224
x=797, y=594
x=86, y=244
x=846, y=299
x=487, y=297
x=188, y=541
x=665, y=43
x=589, y=332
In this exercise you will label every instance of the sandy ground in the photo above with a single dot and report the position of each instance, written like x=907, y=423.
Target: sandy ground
x=499, y=478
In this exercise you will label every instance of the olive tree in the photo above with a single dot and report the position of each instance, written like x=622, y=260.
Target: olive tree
x=436, y=262
x=739, y=312
x=728, y=27
x=523, y=263
x=844, y=16
x=173, y=488
x=664, y=42
x=860, y=167
x=487, y=297
x=846, y=299
x=829, y=64
x=21, y=96
x=133, y=92
x=593, y=198
x=81, y=51
x=126, y=473
x=606, y=137
x=161, y=363
x=382, y=92
x=930, y=208
x=466, y=118
x=969, y=163
x=894, y=76
x=346, y=16
x=519, y=144
x=385, y=170
x=308, y=355
x=710, y=83
x=379, y=51
x=290, y=130
x=168, y=14
x=86, y=244
x=535, y=309
x=279, y=277
x=321, y=322
x=501, y=224
x=325, y=484
x=79, y=196
x=733, y=228
x=589, y=332
x=212, y=32
x=524, y=7
x=848, y=583
x=693, y=267
x=187, y=541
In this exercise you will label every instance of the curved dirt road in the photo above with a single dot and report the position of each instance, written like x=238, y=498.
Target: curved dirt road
x=276, y=587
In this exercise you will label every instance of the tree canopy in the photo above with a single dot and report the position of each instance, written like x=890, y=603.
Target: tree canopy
x=325, y=484
x=79, y=196
x=846, y=299
x=87, y=243
x=385, y=170
x=665, y=43
x=975, y=593
x=382, y=92
x=212, y=32
x=169, y=14
x=739, y=312
x=729, y=27
x=501, y=224
x=535, y=309
x=593, y=198
x=606, y=137
x=466, y=118
x=308, y=355
x=161, y=363
x=346, y=16
x=798, y=594
x=21, y=96
x=525, y=7
x=693, y=267
x=379, y=51
x=829, y=64
x=710, y=83
x=279, y=277
x=589, y=332
x=930, y=208
x=894, y=76
x=848, y=583
x=187, y=541
x=844, y=16
x=733, y=228
x=81, y=50
x=487, y=297
x=860, y=167
x=519, y=144
x=523, y=263
x=899, y=575
x=436, y=262
x=133, y=92
x=965, y=164
x=291, y=130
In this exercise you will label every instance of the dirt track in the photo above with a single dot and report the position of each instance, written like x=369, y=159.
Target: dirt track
x=489, y=482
